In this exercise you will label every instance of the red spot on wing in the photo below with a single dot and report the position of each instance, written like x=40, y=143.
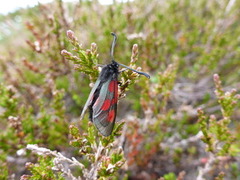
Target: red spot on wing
x=111, y=116
x=106, y=105
x=112, y=85
x=115, y=98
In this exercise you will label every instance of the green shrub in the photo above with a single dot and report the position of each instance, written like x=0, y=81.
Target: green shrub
x=172, y=126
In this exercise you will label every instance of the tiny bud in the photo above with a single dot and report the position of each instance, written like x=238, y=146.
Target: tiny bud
x=65, y=52
x=37, y=46
x=29, y=165
x=91, y=85
x=233, y=91
x=110, y=168
x=217, y=93
x=237, y=96
x=99, y=68
x=221, y=98
x=199, y=110
x=75, y=57
x=212, y=117
x=51, y=18
x=135, y=48
x=76, y=66
x=204, y=160
x=74, y=131
x=12, y=118
x=70, y=34
x=21, y=152
x=138, y=68
x=228, y=94
x=119, y=163
x=15, y=122
x=216, y=77
x=25, y=177
x=93, y=47
x=54, y=93
x=234, y=102
x=88, y=52
x=120, y=150
x=84, y=140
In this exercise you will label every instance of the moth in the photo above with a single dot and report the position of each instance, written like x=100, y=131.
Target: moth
x=103, y=98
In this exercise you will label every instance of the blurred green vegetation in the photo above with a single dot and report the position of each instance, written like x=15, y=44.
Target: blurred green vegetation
x=181, y=44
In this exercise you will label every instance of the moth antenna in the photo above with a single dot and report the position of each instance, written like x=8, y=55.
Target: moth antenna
x=142, y=73
x=112, y=52
x=113, y=45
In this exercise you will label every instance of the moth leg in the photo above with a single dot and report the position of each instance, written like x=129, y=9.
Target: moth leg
x=119, y=83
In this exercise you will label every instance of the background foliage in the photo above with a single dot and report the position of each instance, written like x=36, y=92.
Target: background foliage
x=183, y=123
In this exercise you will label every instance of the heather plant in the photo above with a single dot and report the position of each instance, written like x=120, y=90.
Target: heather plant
x=183, y=123
x=217, y=136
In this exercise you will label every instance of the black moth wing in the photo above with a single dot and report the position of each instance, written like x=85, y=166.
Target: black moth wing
x=90, y=98
x=105, y=108
x=102, y=101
